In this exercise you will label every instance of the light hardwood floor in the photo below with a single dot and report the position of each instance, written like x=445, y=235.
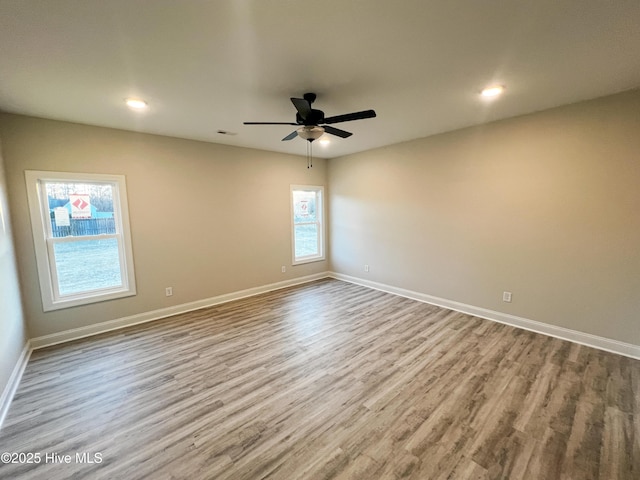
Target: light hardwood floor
x=327, y=380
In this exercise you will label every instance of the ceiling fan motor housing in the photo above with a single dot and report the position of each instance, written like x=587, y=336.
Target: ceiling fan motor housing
x=314, y=117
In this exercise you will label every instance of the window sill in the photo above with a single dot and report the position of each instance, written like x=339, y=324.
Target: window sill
x=87, y=299
x=302, y=261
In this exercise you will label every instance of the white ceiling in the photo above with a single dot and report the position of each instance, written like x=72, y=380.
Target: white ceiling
x=209, y=65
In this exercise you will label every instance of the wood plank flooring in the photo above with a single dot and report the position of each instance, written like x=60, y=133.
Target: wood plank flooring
x=327, y=380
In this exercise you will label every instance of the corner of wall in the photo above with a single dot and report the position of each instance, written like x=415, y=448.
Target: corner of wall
x=14, y=343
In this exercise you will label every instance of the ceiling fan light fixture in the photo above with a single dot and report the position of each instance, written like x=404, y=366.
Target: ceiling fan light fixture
x=310, y=133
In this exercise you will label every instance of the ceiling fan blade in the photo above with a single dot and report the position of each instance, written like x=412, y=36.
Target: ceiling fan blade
x=347, y=117
x=337, y=132
x=303, y=106
x=269, y=123
x=291, y=136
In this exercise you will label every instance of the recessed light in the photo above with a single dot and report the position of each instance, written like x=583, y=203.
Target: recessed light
x=492, y=91
x=324, y=141
x=136, y=103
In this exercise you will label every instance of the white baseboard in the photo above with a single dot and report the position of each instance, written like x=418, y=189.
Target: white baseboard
x=102, y=327
x=601, y=343
x=14, y=380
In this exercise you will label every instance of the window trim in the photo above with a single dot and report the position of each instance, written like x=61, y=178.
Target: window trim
x=319, y=190
x=44, y=241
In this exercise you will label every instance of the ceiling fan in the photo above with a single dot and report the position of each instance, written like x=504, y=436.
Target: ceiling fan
x=313, y=123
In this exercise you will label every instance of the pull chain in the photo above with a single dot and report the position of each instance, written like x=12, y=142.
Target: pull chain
x=309, y=155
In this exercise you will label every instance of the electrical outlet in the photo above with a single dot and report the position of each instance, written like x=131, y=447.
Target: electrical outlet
x=506, y=297
x=284, y=269
x=168, y=291
x=366, y=268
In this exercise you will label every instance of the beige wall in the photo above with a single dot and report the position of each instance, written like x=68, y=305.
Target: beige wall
x=13, y=334
x=546, y=206
x=206, y=219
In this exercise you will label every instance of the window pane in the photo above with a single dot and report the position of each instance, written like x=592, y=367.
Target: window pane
x=87, y=265
x=306, y=240
x=79, y=209
x=304, y=206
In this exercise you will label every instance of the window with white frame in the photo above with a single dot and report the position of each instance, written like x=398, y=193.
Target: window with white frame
x=81, y=236
x=307, y=223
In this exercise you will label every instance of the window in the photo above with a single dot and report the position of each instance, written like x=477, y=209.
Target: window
x=81, y=235
x=307, y=223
